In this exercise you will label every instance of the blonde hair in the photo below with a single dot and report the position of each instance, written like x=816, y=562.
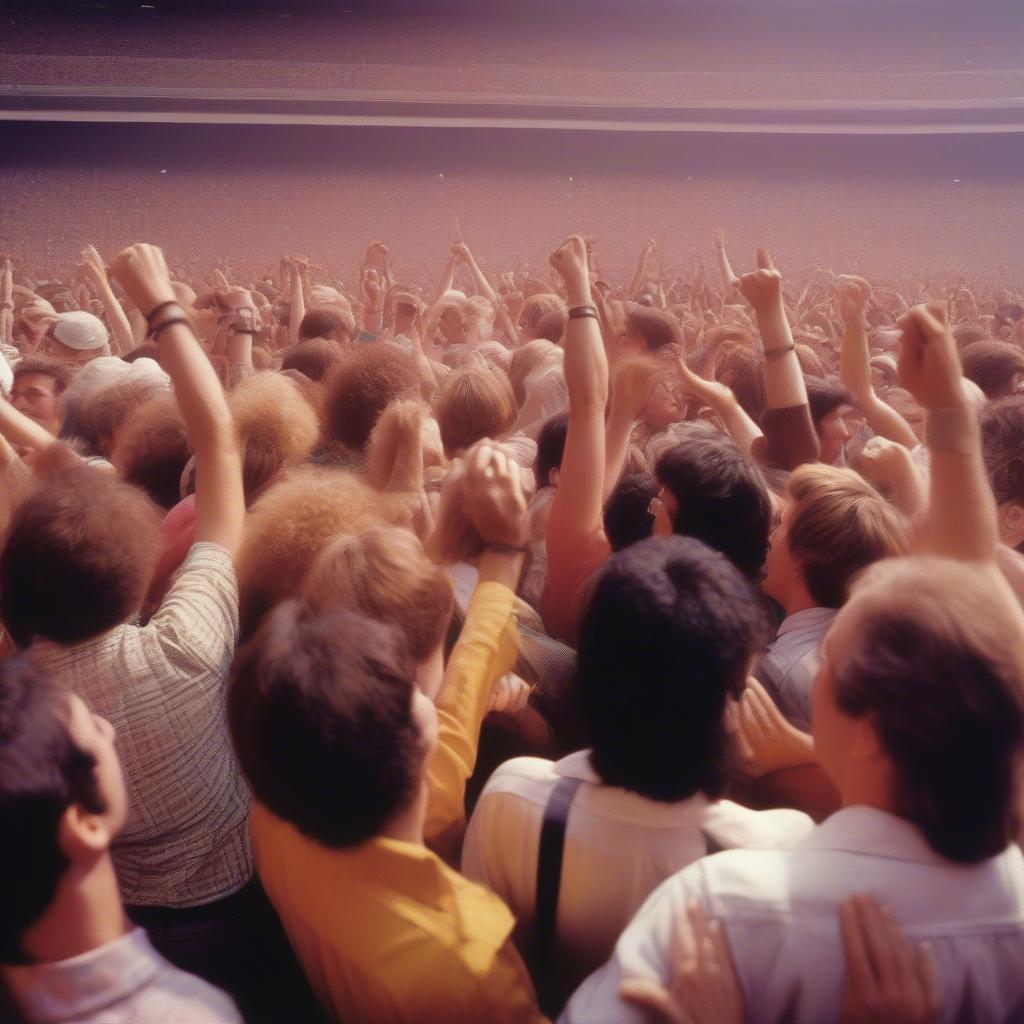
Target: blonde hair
x=385, y=574
x=529, y=358
x=472, y=404
x=838, y=524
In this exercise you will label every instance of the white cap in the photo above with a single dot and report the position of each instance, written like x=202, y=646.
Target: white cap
x=80, y=330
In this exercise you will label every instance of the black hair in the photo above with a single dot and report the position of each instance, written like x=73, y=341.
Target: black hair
x=825, y=396
x=626, y=515
x=721, y=494
x=666, y=637
x=42, y=773
x=550, y=447
x=320, y=710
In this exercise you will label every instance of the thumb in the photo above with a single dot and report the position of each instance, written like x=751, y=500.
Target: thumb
x=764, y=260
x=649, y=995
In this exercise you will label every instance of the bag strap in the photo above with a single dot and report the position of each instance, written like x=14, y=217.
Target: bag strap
x=549, y=881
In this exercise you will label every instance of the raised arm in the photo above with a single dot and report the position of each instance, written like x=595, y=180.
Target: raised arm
x=7, y=304
x=220, y=504
x=297, y=310
x=95, y=273
x=577, y=505
x=504, y=319
x=633, y=381
x=641, y=269
x=855, y=363
x=719, y=398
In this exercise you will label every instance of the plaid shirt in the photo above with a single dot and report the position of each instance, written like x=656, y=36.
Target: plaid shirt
x=161, y=686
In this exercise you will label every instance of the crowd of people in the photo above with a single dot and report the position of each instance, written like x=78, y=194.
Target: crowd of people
x=512, y=647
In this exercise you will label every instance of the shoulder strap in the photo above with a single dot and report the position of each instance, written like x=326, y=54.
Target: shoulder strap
x=549, y=881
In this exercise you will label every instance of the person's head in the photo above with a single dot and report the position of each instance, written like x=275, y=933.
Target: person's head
x=407, y=309
x=76, y=337
x=743, y=370
x=151, y=449
x=537, y=355
x=472, y=404
x=550, y=449
x=1002, y=436
x=646, y=330
x=712, y=491
x=627, y=512
x=534, y=308
x=663, y=406
x=451, y=321
x=364, y=384
x=101, y=414
x=551, y=326
x=918, y=698
x=666, y=639
x=277, y=428
x=327, y=725
x=997, y=367
x=78, y=557
x=315, y=358
x=326, y=322
x=831, y=405
x=38, y=383
x=385, y=574
x=62, y=796
x=834, y=525
x=146, y=350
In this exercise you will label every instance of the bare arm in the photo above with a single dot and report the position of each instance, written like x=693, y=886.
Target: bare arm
x=507, y=326
x=21, y=431
x=641, y=269
x=297, y=312
x=7, y=305
x=95, y=273
x=220, y=504
x=720, y=399
x=633, y=381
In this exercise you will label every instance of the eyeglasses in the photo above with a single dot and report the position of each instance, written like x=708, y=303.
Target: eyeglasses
x=655, y=505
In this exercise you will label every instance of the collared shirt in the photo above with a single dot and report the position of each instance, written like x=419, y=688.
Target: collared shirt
x=161, y=686
x=780, y=910
x=124, y=982
x=791, y=662
x=619, y=846
x=386, y=932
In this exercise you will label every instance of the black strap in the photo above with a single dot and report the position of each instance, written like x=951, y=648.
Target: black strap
x=549, y=881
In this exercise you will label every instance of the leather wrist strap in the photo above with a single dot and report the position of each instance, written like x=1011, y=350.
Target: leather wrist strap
x=580, y=311
x=506, y=549
x=953, y=429
x=791, y=347
x=155, y=330
x=159, y=308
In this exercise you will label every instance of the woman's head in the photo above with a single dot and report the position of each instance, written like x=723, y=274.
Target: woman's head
x=472, y=404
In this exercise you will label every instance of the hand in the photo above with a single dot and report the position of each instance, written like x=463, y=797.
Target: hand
x=768, y=742
x=888, y=467
x=762, y=288
x=371, y=285
x=496, y=503
x=850, y=297
x=93, y=270
x=704, y=988
x=711, y=393
x=888, y=980
x=461, y=253
x=719, y=238
x=929, y=367
x=141, y=270
x=378, y=254
x=569, y=261
x=649, y=250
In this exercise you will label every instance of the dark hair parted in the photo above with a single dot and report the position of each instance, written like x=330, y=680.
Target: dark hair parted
x=938, y=666
x=60, y=372
x=78, y=557
x=721, y=493
x=320, y=711
x=666, y=637
x=825, y=395
x=656, y=327
x=364, y=384
x=550, y=447
x=42, y=773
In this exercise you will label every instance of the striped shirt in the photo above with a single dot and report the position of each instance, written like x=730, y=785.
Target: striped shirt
x=161, y=686
x=790, y=664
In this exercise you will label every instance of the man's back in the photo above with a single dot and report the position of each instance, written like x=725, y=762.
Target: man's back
x=385, y=931
x=780, y=911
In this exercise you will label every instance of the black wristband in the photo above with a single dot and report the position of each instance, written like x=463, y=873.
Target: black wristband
x=157, y=328
x=580, y=311
x=507, y=549
x=781, y=351
x=156, y=309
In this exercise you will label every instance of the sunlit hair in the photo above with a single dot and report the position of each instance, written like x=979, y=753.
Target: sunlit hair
x=529, y=358
x=473, y=404
x=101, y=414
x=838, y=524
x=405, y=430
x=385, y=574
x=276, y=428
x=810, y=361
x=455, y=538
x=363, y=385
x=551, y=325
x=992, y=365
x=152, y=448
x=938, y=668
x=291, y=523
x=536, y=306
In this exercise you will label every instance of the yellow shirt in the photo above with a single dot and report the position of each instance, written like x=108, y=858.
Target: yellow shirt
x=387, y=932
x=486, y=651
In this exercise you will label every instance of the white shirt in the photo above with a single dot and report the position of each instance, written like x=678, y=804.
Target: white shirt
x=791, y=662
x=124, y=981
x=781, y=914
x=619, y=846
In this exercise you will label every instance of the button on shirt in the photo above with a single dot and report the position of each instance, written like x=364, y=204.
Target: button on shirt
x=790, y=664
x=781, y=914
x=619, y=846
x=124, y=982
x=161, y=686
